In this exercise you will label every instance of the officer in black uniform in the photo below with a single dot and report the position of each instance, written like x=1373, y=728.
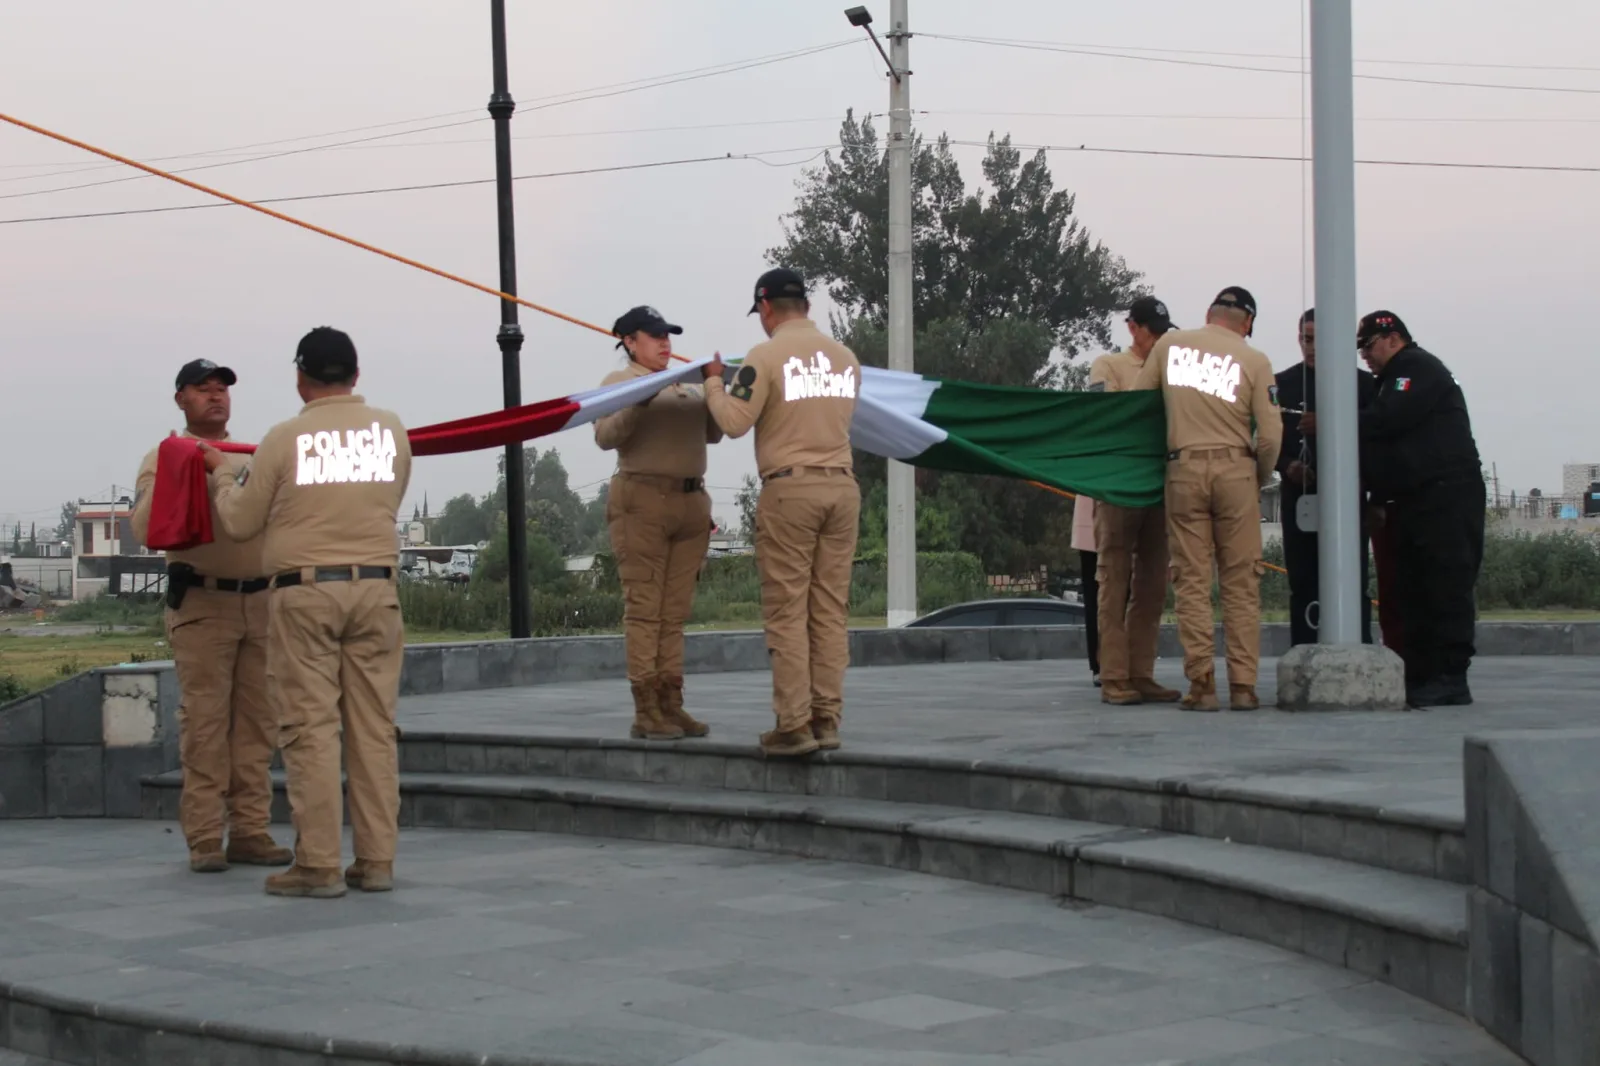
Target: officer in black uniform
x=1417, y=443
x=1297, y=465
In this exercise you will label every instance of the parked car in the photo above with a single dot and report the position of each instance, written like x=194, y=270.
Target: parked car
x=1010, y=612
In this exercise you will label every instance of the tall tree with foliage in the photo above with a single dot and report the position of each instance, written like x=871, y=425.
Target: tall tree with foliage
x=69, y=522
x=1009, y=288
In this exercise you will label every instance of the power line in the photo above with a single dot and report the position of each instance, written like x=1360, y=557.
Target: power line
x=1219, y=118
x=1045, y=46
x=236, y=162
x=1257, y=157
x=537, y=103
x=746, y=156
x=1286, y=56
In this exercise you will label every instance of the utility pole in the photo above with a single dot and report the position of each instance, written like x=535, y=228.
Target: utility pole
x=902, y=534
x=1333, y=174
x=509, y=336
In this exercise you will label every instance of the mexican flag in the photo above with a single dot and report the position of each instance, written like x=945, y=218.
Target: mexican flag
x=1108, y=446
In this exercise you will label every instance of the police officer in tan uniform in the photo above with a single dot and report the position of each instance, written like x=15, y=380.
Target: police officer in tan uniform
x=799, y=392
x=659, y=518
x=1131, y=543
x=217, y=625
x=1224, y=434
x=326, y=486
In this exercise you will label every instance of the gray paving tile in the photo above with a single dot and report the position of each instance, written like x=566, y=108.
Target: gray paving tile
x=915, y=1011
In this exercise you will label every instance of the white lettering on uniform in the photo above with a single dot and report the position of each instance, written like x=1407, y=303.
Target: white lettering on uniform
x=1190, y=368
x=341, y=458
x=817, y=381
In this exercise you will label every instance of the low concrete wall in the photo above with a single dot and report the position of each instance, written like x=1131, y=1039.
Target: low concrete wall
x=1534, y=906
x=79, y=748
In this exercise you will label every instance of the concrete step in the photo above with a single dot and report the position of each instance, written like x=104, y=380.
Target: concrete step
x=1411, y=842
x=1407, y=930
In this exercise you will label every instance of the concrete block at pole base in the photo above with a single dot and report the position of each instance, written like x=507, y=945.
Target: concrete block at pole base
x=1341, y=677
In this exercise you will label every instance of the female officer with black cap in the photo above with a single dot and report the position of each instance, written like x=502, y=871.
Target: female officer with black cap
x=660, y=521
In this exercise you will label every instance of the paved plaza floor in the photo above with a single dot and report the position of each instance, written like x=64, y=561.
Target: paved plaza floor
x=635, y=954
x=1048, y=713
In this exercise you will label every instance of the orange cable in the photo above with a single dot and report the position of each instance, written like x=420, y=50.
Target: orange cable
x=280, y=216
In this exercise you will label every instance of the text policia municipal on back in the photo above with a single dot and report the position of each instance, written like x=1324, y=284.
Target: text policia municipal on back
x=355, y=455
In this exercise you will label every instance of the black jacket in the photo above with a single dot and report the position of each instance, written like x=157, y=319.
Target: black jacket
x=1297, y=391
x=1417, y=431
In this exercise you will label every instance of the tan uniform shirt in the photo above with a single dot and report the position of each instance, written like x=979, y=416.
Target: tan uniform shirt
x=1217, y=390
x=799, y=391
x=666, y=437
x=223, y=557
x=1115, y=372
x=325, y=486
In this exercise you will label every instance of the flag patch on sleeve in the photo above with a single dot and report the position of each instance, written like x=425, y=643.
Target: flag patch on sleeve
x=1402, y=384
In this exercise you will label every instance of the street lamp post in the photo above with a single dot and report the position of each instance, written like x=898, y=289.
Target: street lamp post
x=902, y=533
x=509, y=336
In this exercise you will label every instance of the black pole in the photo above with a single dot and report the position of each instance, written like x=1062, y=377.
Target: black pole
x=510, y=335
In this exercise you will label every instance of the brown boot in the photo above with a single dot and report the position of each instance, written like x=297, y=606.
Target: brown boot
x=672, y=712
x=793, y=743
x=826, y=733
x=306, y=881
x=1202, y=695
x=370, y=876
x=1243, y=698
x=258, y=849
x=1119, y=693
x=647, y=721
x=1154, y=693
x=206, y=857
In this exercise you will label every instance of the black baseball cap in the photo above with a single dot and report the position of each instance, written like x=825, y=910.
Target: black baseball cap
x=1151, y=313
x=326, y=354
x=777, y=284
x=643, y=319
x=1236, y=296
x=198, y=370
x=1377, y=324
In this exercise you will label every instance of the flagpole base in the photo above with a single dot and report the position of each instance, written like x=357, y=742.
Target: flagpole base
x=1341, y=677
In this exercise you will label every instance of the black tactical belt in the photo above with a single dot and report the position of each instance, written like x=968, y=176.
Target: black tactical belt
x=228, y=584
x=334, y=573
x=687, y=484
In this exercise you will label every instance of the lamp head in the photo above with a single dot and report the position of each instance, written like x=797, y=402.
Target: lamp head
x=858, y=16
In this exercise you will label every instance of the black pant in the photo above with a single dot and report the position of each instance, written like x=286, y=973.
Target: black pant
x=1438, y=550
x=1088, y=562
x=1300, y=559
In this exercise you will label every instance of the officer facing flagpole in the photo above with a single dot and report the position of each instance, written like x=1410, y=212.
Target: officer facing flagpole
x=1223, y=436
x=799, y=391
x=216, y=621
x=325, y=486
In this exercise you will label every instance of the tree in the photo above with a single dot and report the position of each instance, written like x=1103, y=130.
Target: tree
x=1009, y=288
x=33, y=539
x=16, y=540
x=69, y=521
x=745, y=500
x=593, y=528
x=462, y=521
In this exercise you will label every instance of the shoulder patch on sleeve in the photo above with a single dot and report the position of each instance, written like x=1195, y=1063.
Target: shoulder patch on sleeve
x=1272, y=394
x=743, y=383
x=1096, y=386
x=1402, y=384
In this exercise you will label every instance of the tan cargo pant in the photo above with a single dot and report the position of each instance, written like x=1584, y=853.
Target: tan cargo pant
x=1214, y=516
x=806, y=526
x=1132, y=574
x=227, y=728
x=333, y=664
x=659, y=534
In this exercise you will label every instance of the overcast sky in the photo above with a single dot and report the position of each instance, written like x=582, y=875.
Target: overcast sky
x=1493, y=270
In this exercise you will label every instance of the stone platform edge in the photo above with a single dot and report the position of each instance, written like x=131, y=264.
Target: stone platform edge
x=436, y=669
x=79, y=1032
